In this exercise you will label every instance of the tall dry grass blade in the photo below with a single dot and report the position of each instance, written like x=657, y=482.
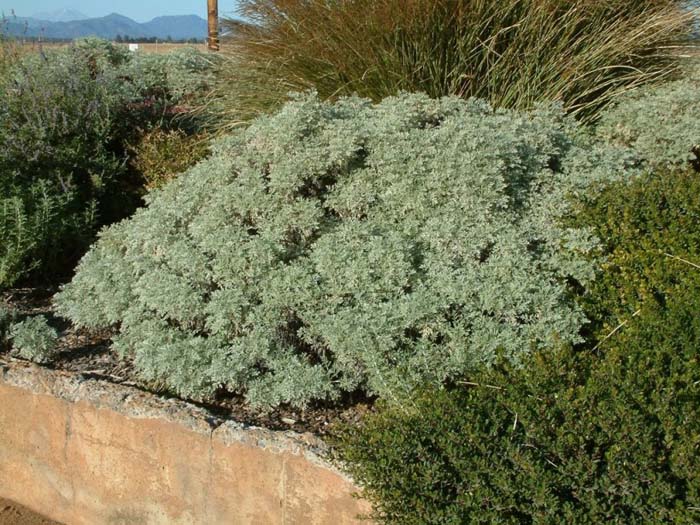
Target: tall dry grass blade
x=514, y=53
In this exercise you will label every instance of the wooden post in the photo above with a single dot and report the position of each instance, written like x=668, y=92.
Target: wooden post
x=213, y=9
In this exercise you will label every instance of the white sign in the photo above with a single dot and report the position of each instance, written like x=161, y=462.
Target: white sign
x=133, y=47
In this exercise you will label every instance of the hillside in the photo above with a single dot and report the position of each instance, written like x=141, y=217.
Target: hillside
x=109, y=27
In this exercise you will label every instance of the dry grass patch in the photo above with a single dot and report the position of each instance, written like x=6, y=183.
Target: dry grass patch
x=513, y=53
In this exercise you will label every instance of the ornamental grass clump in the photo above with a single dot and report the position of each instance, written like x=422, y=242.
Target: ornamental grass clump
x=513, y=53
x=335, y=248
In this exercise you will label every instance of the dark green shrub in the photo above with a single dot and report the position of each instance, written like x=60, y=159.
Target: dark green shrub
x=41, y=228
x=346, y=246
x=34, y=339
x=512, y=53
x=609, y=433
x=67, y=117
x=648, y=229
x=7, y=317
x=568, y=438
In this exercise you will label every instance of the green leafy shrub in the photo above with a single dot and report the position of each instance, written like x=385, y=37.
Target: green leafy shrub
x=41, y=228
x=159, y=155
x=68, y=112
x=609, y=433
x=346, y=246
x=174, y=88
x=67, y=117
x=58, y=158
x=512, y=53
x=568, y=438
x=650, y=231
x=7, y=317
x=57, y=119
x=662, y=122
x=34, y=339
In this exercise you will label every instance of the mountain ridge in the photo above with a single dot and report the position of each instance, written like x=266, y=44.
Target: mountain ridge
x=177, y=27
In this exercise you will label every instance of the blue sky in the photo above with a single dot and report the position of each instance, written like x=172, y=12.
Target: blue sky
x=139, y=10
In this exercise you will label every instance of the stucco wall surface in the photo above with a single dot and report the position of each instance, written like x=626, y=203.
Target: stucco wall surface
x=85, y=451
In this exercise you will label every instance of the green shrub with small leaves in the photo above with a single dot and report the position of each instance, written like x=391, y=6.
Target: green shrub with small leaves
x=571, y=437
x=34, y=339
x=181, y=77
x=57, y=119
x=59, y=163
x=349, y=246
x=7, y=317
x=650, y=233
x=608, y=432
x=41, y=229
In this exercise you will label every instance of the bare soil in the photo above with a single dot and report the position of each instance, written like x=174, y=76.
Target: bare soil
x=13, y=514
x=89, y=353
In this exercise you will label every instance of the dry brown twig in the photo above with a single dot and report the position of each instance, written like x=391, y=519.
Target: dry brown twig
x=616, y=329
x=683, y=260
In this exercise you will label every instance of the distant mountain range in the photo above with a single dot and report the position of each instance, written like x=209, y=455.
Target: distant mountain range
x=108, y=27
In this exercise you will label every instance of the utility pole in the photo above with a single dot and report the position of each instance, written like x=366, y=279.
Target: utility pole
x=213, y=10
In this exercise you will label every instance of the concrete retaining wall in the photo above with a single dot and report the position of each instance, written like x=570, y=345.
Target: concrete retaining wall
x=83, y=451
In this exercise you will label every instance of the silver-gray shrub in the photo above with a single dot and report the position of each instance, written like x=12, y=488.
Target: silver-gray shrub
x=34, y=339
x=662, y=123
x=182, y=76
x=339, y=247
